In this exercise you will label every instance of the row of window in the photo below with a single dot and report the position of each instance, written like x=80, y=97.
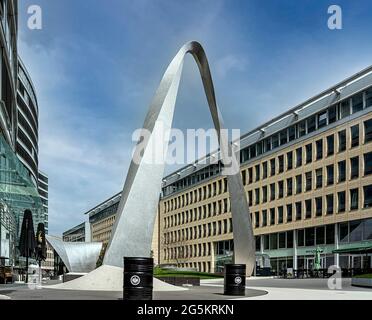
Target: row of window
x=295, y=159
x=190, y=251
x=316, y=207
x=326, y=117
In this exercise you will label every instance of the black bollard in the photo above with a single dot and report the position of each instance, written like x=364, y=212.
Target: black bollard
x=235, y=279
x=138, y=278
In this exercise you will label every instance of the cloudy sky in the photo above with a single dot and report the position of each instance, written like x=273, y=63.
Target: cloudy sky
x=96, y=65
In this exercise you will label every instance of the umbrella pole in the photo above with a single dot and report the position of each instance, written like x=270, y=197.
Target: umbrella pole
x=27, y=268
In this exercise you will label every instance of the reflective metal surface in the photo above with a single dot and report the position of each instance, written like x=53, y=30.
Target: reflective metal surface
x=77, y=256
x=134, y=225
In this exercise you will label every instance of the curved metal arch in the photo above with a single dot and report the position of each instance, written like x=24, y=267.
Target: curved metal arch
x=135, y=218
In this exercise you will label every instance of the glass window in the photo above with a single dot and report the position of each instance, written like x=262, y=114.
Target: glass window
x=291, y=133
x=354, y=199
x=332, y=114
x=257, y=169
x=342, y=171
x=272, y=167
x=354, y=164
x=257, y=196
x=357, y=102
x=343, y=232
x=290, y=239
x=250, y=175
x=355, y=230
x=259, y=148
x=267, y=242
x=308, y=208
x=344, y=108
x=275, y=141
x=329, y=204
x=341, y=201
x=342, y=141
x=319, y=177
x=301, y=237
x=310, y=237
x=367, y=163
x=281, y=189
x=319, y=149
x=367, y=229
x=281, y=163
x=309, y=153
x=283, y=137
x=252, y=150
x=272, y=216
x=309, y=184
x=322, y=119
x=330, y=175
x=311, y=124
x=369, y=98
x=330, y=233
x=298, y=157
x=273, y=241
x=299, y=184
x=301, y=129
x=330, y=145
x=318, y=206
x=289, y=160
x=267, y=144
x=367, y=131
x=250, y=198
x=289, y=212
x=367, y=196
x=264, y=218
x=264, y=194
x=272, y=191
x=289, y=186
x=282, y=240
x=264, y=170
x=257, y=219
x=280, y=214
x=354, y=130
x=298, y=210
x=320, y=235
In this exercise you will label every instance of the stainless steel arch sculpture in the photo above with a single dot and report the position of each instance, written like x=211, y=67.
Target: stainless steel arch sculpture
x=133, y=229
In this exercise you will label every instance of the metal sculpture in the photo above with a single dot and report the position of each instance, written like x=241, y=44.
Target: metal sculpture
x=134, y=225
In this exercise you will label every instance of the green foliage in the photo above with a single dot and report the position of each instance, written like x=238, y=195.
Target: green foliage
x=158, y=272
x=368, y=276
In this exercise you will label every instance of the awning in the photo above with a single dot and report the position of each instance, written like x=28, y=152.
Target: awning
x=355, y=250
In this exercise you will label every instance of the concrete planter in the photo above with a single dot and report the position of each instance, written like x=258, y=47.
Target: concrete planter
x=362, y=282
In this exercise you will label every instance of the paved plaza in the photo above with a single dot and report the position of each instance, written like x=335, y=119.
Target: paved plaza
x=257, y=289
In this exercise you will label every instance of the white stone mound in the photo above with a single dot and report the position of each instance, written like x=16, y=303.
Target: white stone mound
x=107, y=278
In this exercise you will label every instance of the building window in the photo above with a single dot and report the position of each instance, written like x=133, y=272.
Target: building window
x=272, y=216
x=257, y=169
x=275, y=141
x=319, y=177
x=272, y=167
x=322, y=119
x=289, y=186
x=298, y=210
x=354, y=131
x=341, y=201
x=289, y=212
x=354, y=164
x=311, y=124
x=281, y=189
x=319, y=149
x=289, y=160
x=257, y=196
x=283, y=137
x=264, y=218
x=280, y=215
x=318, y=206
x=267, y=144
x=342, y=141
x=273, y=241
x=309, y=153
x=282, y=240
x=343, y=232
x=367, y=163
x=272, y=191
x=298, y=184
x=332, y=114
x=250, y=175
x=257, y=219
x=342, y=171
x=264, y=194
x=300, y=237
x=291, y=133
x=357, y=102
x=367, y=196
x=367, y=131
x=330, y=175
x=310, y=237
x=281, y=163
x=344, y=109
x=250, y=198
x=308, y=208
x=299, y=157
x=330, y=234
x=369, y=98
x=264, y=170
x=330, y=145
x=301, y=129
x=330, y=204
x=354, y=199
x=320, y=235
x=309, y=183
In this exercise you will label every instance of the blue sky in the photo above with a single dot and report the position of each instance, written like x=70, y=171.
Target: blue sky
x=96, y=65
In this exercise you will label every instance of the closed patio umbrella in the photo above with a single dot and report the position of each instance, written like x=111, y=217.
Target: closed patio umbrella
x=27, y=243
